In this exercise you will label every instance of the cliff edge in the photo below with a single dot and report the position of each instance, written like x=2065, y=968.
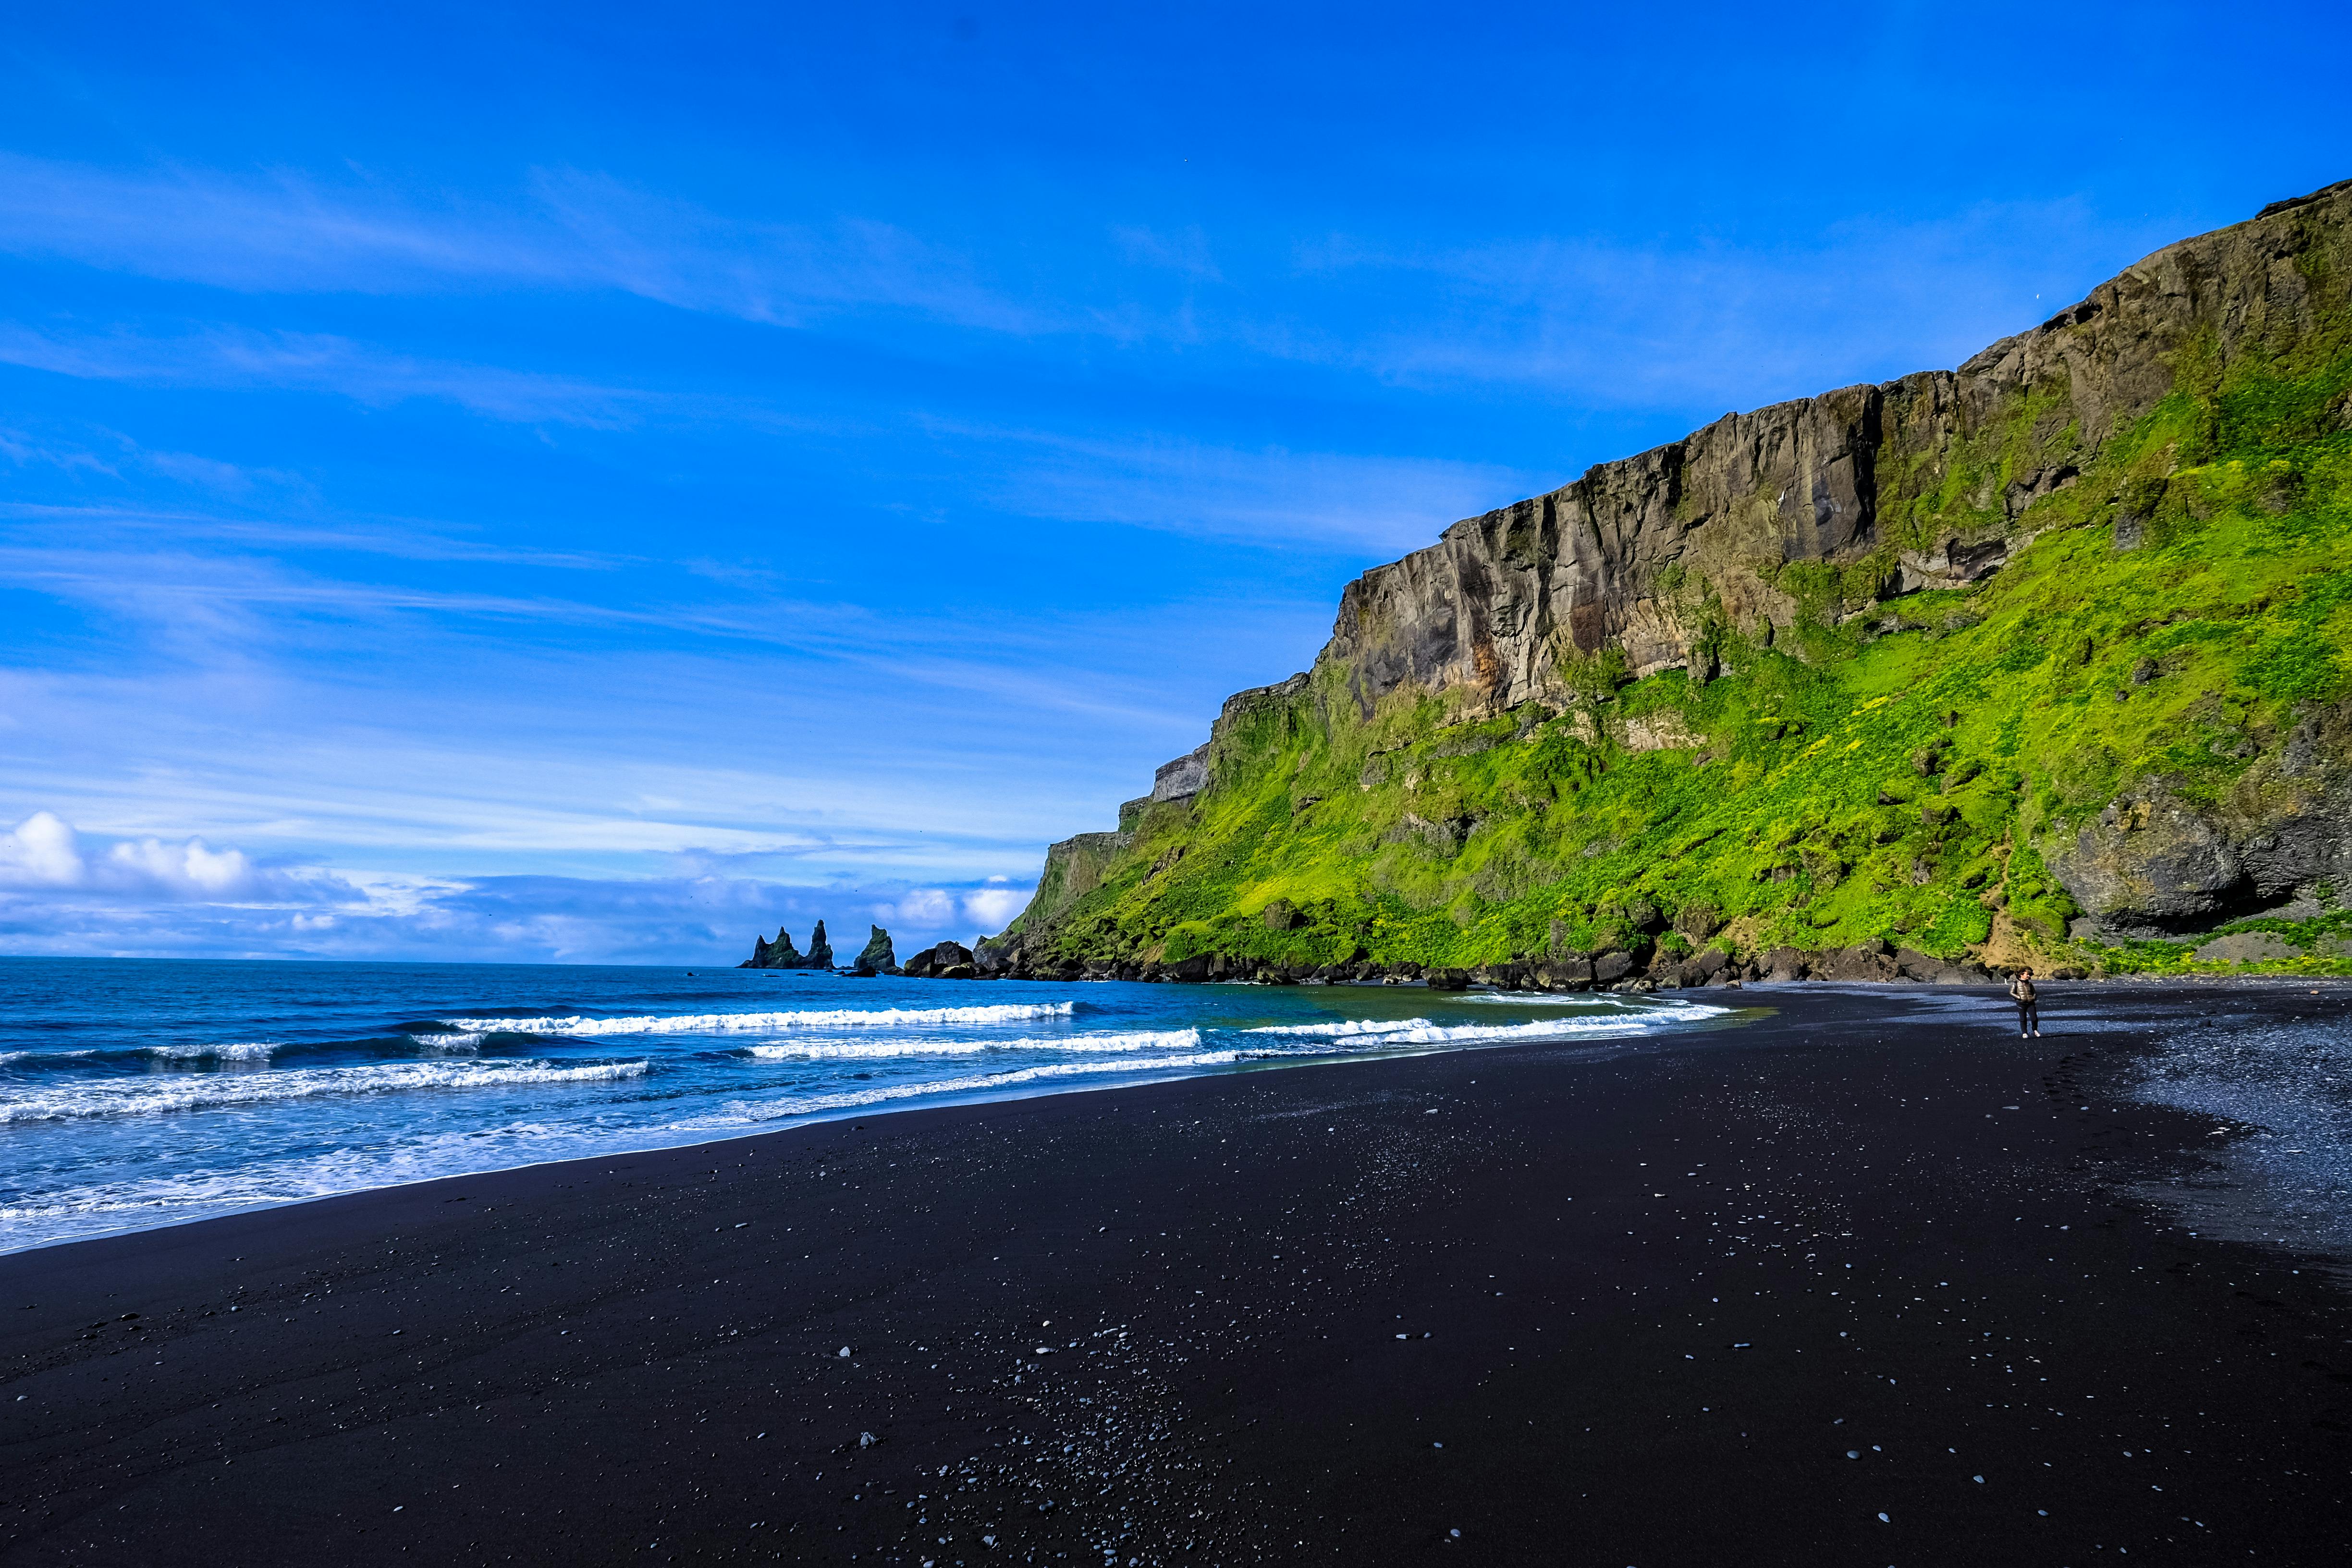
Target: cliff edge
x=2041, y=658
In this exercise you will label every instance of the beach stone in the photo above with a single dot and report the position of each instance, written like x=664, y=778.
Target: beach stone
x=1564, y=973
x=2246, y=947
x=1920, y=966
x=1612, y=967
x=1852, y=964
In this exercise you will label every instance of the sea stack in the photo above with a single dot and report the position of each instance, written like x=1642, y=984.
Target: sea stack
x=777, y=955
x=879, y=957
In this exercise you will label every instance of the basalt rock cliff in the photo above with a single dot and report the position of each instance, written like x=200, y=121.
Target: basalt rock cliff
x=2044, y=658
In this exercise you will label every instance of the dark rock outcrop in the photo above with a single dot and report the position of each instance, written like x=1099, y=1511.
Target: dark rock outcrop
x=782, y=954
x=2154, y=865
x=947, y=960
x=1181, y=779
x=777, y=955
x=878, y=958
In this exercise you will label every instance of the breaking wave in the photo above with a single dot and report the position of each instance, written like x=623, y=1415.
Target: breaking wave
x=235, y=1051
x=725, y=1022
x=828, y=1050
x=1422, y=1032
x=155, y=1096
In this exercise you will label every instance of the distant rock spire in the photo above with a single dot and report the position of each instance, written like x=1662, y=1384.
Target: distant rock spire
x=777, y=955
x=879, y=957
x=820, y=952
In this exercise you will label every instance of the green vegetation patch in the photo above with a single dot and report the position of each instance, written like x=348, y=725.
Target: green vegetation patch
x=1893, y=773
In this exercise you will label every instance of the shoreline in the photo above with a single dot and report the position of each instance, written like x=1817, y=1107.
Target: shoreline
x=632, y=1357
x=912, y=1101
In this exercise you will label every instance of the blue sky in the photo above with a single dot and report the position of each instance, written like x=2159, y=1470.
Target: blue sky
x=586, y=484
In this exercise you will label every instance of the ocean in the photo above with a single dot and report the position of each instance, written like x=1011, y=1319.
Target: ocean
x=136, y=1093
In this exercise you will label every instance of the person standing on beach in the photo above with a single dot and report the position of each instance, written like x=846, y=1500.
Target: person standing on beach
x=2028, y=1016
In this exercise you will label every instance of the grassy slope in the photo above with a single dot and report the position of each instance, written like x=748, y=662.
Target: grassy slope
x=2236, y=609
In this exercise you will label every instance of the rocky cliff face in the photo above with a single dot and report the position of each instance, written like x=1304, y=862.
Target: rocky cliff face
x=2134, y=453
x=1920, y=482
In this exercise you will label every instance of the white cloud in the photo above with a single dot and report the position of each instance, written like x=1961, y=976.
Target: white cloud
x=40, y=851
x=189, y=869
x=925, y=908
x=45, y=852
x=993, y=909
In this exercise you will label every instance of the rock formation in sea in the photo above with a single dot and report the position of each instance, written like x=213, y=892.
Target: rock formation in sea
x=781, y=954
x=947, y=960
x=879, y=957
x=2045, y=659
x=777, y=955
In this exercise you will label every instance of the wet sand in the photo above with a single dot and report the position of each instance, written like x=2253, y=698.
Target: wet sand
x=1865, y=1280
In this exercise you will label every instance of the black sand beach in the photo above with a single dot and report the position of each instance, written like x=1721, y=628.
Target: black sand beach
x=1867, y=1280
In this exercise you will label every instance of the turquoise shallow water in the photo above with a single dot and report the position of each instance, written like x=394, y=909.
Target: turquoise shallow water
x=139, y=1093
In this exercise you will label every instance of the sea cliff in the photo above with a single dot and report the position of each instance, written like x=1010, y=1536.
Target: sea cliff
x=2040, y=660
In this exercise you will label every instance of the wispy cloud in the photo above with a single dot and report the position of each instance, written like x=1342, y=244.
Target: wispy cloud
x=1270, y=495
x=315, y=362
x=1694, y=320
x=287, y=232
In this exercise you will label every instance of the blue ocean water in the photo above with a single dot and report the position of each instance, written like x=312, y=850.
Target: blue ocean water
x=143, y=1092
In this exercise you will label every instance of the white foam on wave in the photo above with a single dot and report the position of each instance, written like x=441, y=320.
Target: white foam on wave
x=743, y=1112
x=447, y=1040
x=727, y=1023
x=1422, y=1032
x=154, y=1096
x=1348, y=1027
x=834, y=1050
x=143, y=1197
x=233, y=1051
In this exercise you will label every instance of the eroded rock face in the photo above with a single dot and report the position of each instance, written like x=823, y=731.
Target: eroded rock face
x=1182, y=778
x=2154, y=865
x=2148, y=863
x=1614, y=559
